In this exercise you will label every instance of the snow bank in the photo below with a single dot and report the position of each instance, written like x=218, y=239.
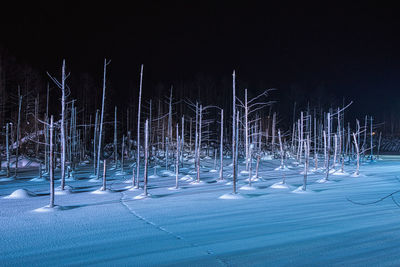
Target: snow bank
x=20, y=194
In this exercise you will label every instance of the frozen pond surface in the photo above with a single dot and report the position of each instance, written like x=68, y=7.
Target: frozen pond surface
x=192, y=226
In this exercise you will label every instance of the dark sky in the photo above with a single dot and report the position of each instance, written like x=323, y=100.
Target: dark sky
x=354, y=47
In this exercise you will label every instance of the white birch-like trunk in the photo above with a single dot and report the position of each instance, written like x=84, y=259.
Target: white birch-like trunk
x=234, y=174
x=115, y=138
x=104, y=187
x=357, y=172
x=146, y=155
x=51, y=161
x=18, y=133
x=221, y=148
x=138, y=128
x=7, y=150
x=281, y=148
x=177, y=157
x=101, y=119
x=199, y=144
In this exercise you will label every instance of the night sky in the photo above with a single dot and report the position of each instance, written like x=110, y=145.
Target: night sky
x=353, y=49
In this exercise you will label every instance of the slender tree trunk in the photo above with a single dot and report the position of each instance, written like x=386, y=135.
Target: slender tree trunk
x=18, y=133
x=273, y=132
x=62, y=126
x=51, y=161
x=103, y=188
x=358, y=155
x=115, y=138
x=372, y=136
x=146, y=155
x=379, y=144
x=7, y=150
x=199, y=144
x=221, y=148
x=177, y=157
x=101, y=119
x=138, y=128
x=196, y=135
x=281, y=148
x=94, y=144
x=122, y=154
x=234, y=133
x=246, y=129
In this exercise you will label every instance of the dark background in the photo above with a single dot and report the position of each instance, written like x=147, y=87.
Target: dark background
x=315, y=54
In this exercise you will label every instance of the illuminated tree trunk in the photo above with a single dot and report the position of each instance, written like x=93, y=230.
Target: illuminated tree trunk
x=177, y=157
x=138, y=128
x=101, y=119
x=51, y=162
x=146, y=155
x=234, y=133
x=221, y=148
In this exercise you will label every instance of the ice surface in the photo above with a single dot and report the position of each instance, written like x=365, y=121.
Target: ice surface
x=205, y=224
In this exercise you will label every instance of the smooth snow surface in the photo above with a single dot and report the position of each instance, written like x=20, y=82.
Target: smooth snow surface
x=340, y=223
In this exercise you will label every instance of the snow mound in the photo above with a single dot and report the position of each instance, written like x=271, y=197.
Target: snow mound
x=300, y=190
x=247, y=188
x=154, y=176
x=174, y=188
x=38, y=179
x=356, y=175
x=197, y=183
x=142, y=196
x=186, y=178
x=340, y=173
x=120, y=173
x=20, y=194
x=47, y=209
x=323, y=181
x=231, y=196
x=282, y=168
x=95, y=180
x=213, y=170
x=280, y=185
x=244, y=172
x=67, y=190
x=101, y=192
x=134, y=188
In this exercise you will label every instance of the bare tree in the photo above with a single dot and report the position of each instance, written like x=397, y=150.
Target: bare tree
x=106, y=63
x=64, y=94
x=51, y=161
x=138, y=128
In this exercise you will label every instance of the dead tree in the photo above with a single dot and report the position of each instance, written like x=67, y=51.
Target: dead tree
x=7, y=151
x=177, y=157
x=115, y=137
x=51, y=163
x=18, y=132
x=103, y=188
x=64, y=95
x=357, y=172
x=138, y=128
x=101, y=118
x=146, y=155
x=221, y=148
x=234, y=160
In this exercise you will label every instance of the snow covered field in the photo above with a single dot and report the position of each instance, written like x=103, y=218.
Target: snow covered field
x=268, y=226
